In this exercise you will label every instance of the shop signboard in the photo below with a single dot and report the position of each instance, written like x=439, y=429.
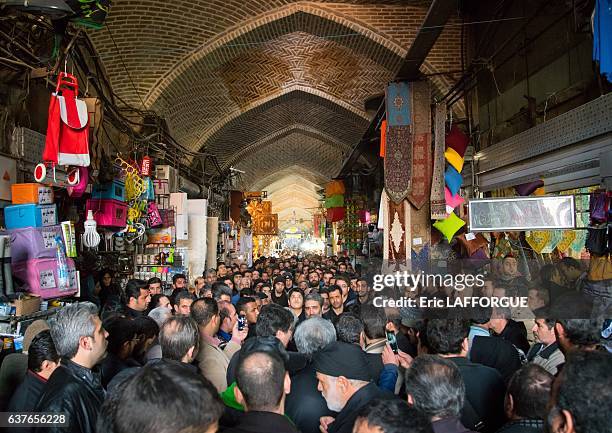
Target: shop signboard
x=522, y=213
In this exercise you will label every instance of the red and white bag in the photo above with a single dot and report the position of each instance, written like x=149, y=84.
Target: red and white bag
x=67, y=140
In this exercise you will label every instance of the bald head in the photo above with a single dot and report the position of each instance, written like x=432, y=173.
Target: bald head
x=260, y=377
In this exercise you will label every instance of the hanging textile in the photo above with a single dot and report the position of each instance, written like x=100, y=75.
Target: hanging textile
x=421, y=151
x=438, y=205
x=602, y=42
x=383, y=138
x=398, y=143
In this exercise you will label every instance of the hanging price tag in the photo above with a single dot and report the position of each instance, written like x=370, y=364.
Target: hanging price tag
x=46, y=279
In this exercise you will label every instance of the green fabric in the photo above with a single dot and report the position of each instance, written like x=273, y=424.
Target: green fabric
x=334, y=201
x=229, y=399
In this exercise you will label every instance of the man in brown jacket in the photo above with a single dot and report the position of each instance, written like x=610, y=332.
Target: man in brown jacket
x=212, y=360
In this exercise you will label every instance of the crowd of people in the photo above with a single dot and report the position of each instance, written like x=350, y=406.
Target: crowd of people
x=297, y=345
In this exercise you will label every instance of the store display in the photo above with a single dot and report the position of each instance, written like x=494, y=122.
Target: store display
x=35, y=193
x=108, y=213
x=30, y=215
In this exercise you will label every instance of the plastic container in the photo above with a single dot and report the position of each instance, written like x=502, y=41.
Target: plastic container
x=34, y=243
x=108, y=213
x=41, y=277
x=30, y=215
x=35, y=193
x=114, y=190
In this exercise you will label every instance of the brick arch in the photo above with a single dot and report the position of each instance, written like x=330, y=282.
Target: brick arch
x=312, y=154
x=270, y=139
x=296, y=107
x=298, y=170
x=290, y=18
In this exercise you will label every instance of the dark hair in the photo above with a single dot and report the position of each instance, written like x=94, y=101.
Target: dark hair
x=183, y=294
x=42, y=348
x=104, y=272
x=570, y=262
x=203, y=310
x=155, y=300
x=141, y=404
x=224, y=311
x=178, y=334
x=177, y=276
x=445, y=336
x=219, y=289
x=133, y=288
x=480, y=315
x=153, y=280
x=242, y=302
x=436, y=386
x=146, y=326
x=334, y=288
x=273, y=318
x=120, y=331
x=374, y=321
x=585, y=390
x=582, y=332
x=260, y=377
x=344, y=278
x=530, y=390
x=394, y=416
x=349, y=328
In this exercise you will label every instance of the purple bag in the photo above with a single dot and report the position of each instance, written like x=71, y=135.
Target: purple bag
x=598, y=207
x=31, y=243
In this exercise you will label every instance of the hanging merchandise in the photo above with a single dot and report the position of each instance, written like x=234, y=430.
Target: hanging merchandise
x=457, y=140
x=78, y=190
x=383, y=138
x=452, y=201
x=67, y=140
x=436, y=198
x=555, y=238
x=334, y=201
x=334, y=187
x=335, y=214
x=91, y=238
x=602, y=42
x=529, y=188
x=449, y=226
x=566, y=240
x=538, y=240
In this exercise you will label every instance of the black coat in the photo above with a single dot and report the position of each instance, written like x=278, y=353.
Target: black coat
x=484, y=395
x=305, y=404
x=27, y=394
x=25, y=398
x=76, y=391
x=497, y=353
x=348, y=415
x=262, y=422
x=516, y=333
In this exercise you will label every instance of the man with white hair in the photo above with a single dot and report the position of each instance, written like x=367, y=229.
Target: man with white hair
x=75, y=388
x=346, y=384
x=305, y=405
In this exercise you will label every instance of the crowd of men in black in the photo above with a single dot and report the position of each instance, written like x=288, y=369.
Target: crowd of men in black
x=297, y=345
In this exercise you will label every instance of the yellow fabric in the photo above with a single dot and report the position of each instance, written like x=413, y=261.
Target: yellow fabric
x=538, y=240
x=566, y=241
x=454, y=159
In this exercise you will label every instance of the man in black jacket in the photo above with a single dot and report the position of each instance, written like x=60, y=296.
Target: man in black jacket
x=305, y=404
x=484, y=387
x=345, y=382
x=74, y=388
x=42, y=362
x=261, y=385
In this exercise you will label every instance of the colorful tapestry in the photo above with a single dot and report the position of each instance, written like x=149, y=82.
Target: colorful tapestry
x=383, y=138
x=420, y=187
x=397, y=101
x=398, y=163
x=438, y=205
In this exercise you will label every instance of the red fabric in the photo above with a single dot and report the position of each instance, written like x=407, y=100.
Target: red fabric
x=335, y=214
x=383, y=138
x=457, y=140
x=67, y=143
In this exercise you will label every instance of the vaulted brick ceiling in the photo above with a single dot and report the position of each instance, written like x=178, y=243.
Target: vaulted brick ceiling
x=266, y=85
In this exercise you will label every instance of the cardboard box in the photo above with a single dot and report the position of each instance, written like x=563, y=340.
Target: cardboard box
x=182, y=227
x=27, y=305
x=178, y=202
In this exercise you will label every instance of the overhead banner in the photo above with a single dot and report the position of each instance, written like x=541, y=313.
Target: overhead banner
x=524, y=213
